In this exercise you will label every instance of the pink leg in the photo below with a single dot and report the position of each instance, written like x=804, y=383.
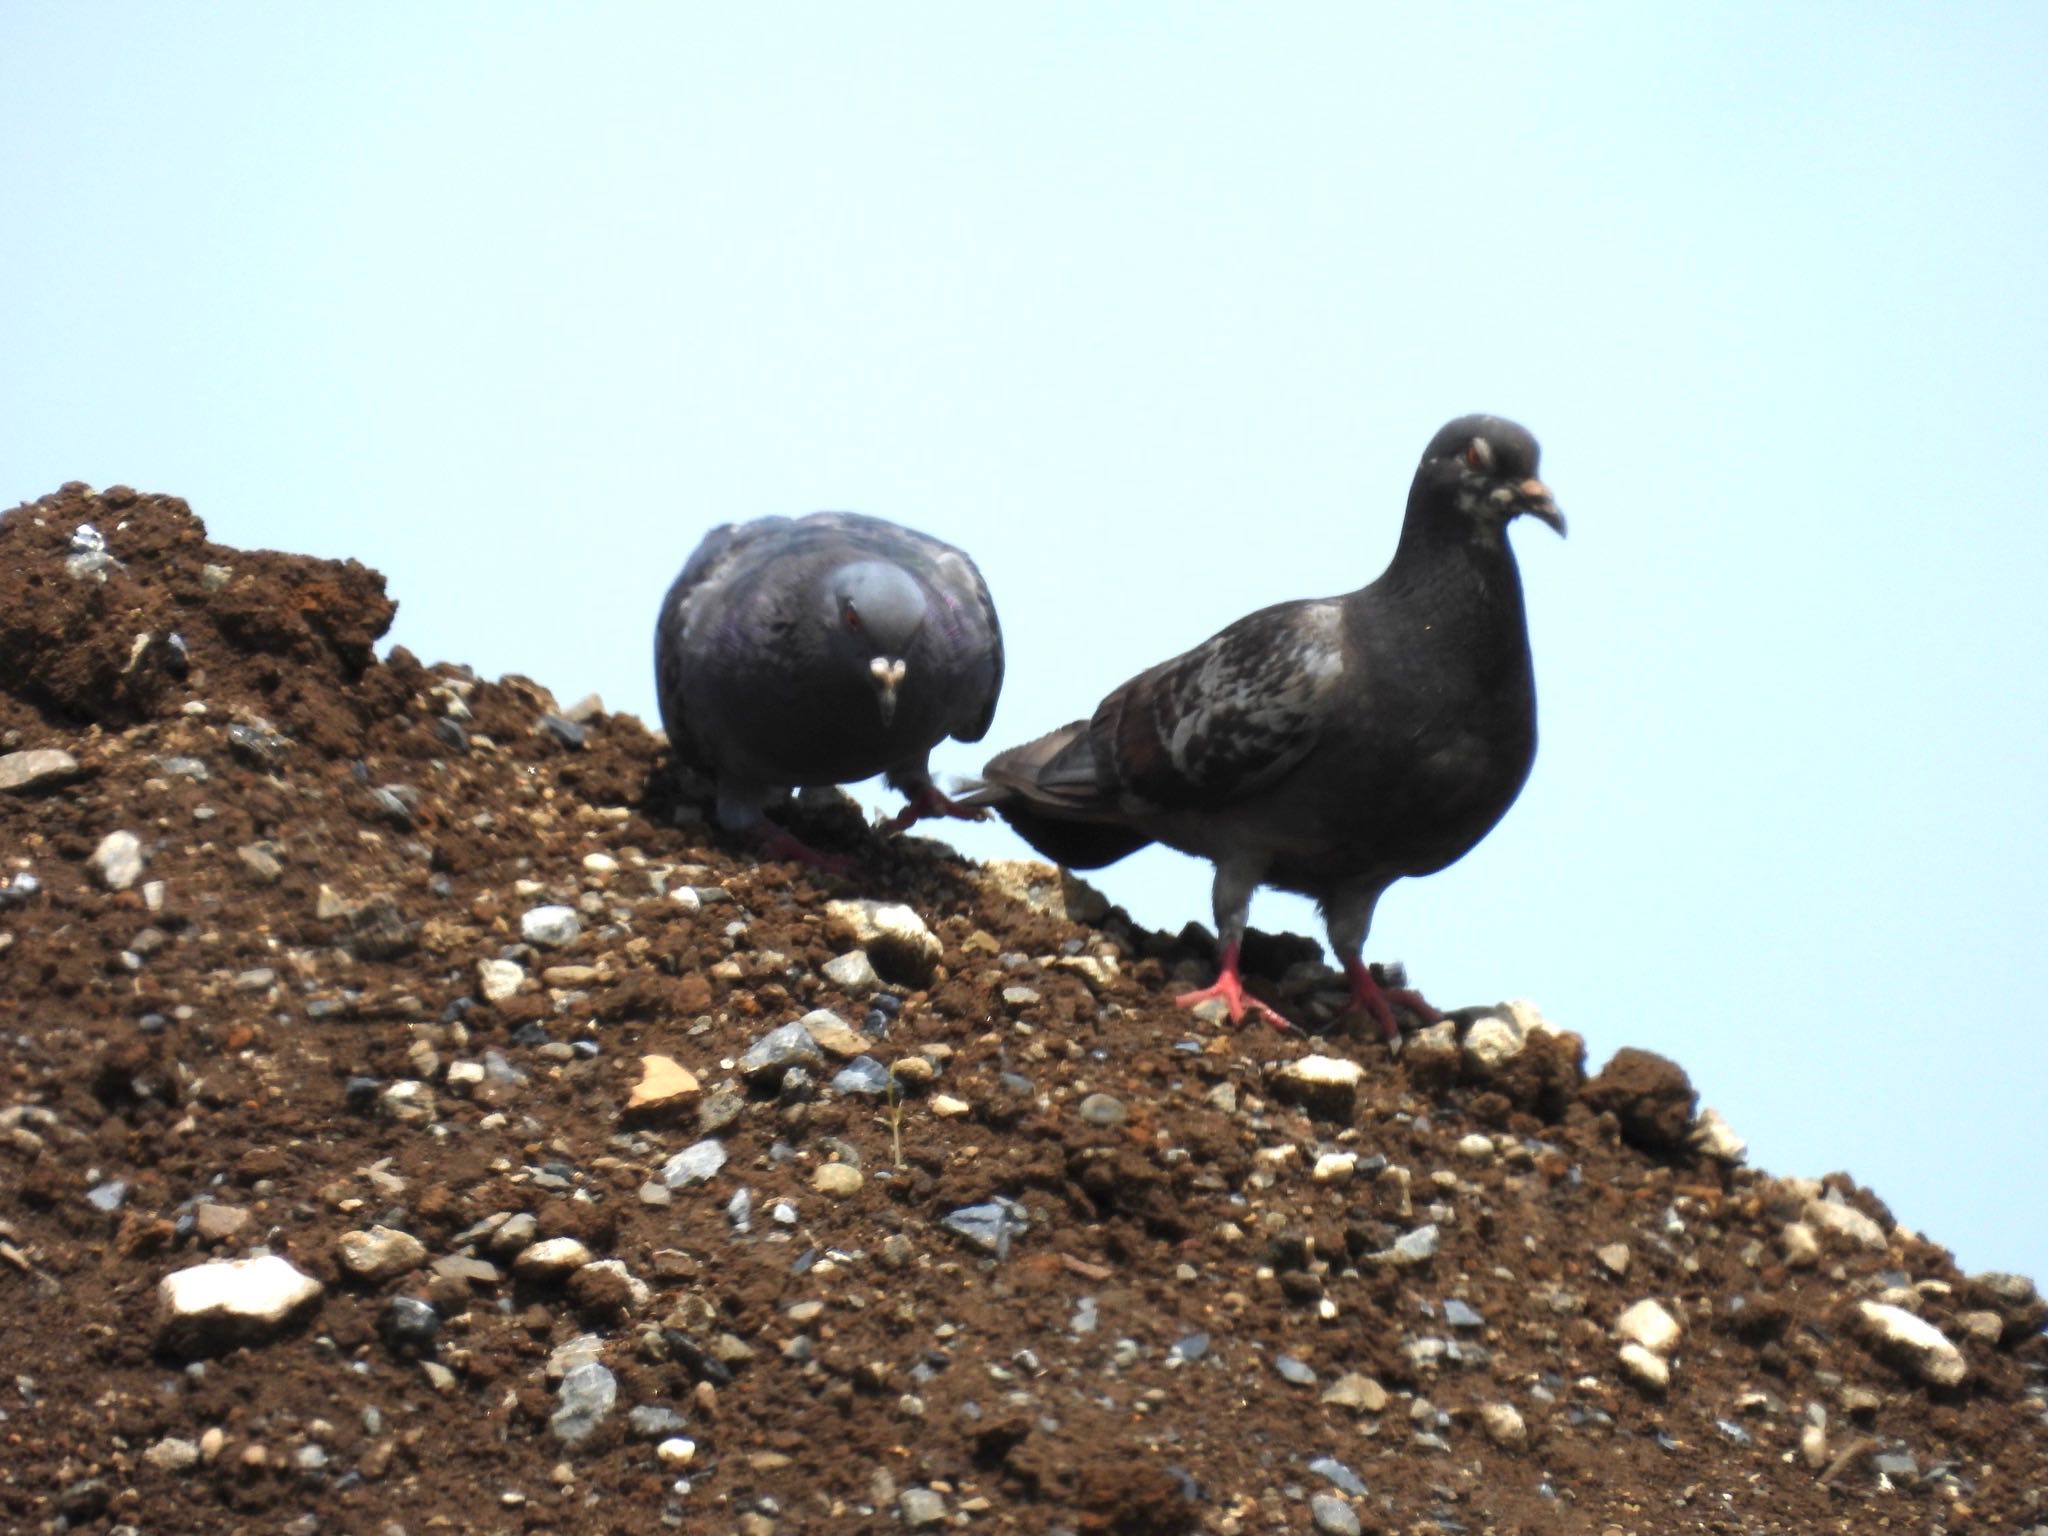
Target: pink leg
x=927, y=800
x=776, y=843
x=1230, y=987
x=1368, y=994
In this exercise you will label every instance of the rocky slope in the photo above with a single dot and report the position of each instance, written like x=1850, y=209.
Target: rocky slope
x=599, y=1178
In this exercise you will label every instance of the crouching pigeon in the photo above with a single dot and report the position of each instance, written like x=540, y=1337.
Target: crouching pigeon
x=1329, y=746
x=824, y=650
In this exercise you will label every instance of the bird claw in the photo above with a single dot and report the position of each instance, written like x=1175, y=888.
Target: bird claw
x=1367, y=993
x=1231, y=991
x=930, y=801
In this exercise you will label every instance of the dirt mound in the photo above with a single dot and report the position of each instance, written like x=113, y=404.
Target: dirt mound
x=432, y=995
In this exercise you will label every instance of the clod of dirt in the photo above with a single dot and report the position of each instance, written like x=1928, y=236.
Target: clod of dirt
x=1650, y=1096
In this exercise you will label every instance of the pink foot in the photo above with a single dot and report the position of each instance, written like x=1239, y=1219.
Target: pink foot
x=1367, y=993
x=779, y=844
x=1230, y=987
x=927, y=800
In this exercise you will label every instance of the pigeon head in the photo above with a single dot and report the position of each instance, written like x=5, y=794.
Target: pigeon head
x=875, y=612
x=1482, y=470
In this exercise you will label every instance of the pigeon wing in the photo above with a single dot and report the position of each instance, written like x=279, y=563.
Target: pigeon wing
x=1229, y=718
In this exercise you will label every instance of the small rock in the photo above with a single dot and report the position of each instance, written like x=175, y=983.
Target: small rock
x=695, y=1164
x=407, y=1103
x=769, y=1057
x=261, y=863
x=1416, y=1247
x=947, y=1107
x=1361, y=1394
x=1644, y=1368
x=1846, y=1221
x=498, y=979
x=863, y=1075
x=232, y=1299
x=1503, y=1425
x=1335, y=1472
x=1459, y=1314
x=676, y=1452
x=587, y=1394
x=1326, y=1086
x=1716, y=1138
x=1045, y=889
x=921, y=1507
x=42, y=768
x=1648, y=1324
x=1101, y=1109
x=662, y=1083
x=897, y=942
x=1614, y=1258
x=1295, y=1372
x=653, y=1421
x=1476, y=1147
x=837, y=1180
x=551, y=1258
x=1912, y=1343
x=173, y=1455
x=551, y=927
x=834, y=1035
x=118, y=860
x=1800, y=1244
x=1334, y=1167
x=1333, y=1516
x=409, y=1325
x=382, y=1253
x=217, y=1223
x=988, y=1227
x=1492, y=1041
x=853, y=973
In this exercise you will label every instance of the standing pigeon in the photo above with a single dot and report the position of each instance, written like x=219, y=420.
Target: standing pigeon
x=823, y=650
x=1328, y=746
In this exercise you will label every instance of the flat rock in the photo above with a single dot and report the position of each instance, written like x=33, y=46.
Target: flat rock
x=40, y=768
x=663, y=1082
x=853, y=973
x=382, y=1253
x=1326, y=1086
x=1912, y=1343
x=551, y=1258
x=1846, y=1221
x=550, y=927
x=232, y=1300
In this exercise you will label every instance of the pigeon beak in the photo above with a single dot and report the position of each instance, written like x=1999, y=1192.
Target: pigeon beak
x=1533, y=497
x=887, y=672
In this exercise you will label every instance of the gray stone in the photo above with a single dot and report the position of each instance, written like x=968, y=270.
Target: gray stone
x=588, y=1393
x=988, y=1227
x=118, y=860
x=1459, y=1315
x=863, y=1074
x=1101, y=1109
x=694, y=1164
x=1913, y=1343
x=1418, y=1246
x=852, y=973
x=551, y=927
x=1335, y=1472
x=42, y=768
x=769, y=1057
x=1333, y=1516
x=654, y=1421
x=1293, y=1371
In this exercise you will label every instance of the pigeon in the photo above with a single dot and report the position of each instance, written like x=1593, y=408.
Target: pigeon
x=822, y=650
x=1328, y=746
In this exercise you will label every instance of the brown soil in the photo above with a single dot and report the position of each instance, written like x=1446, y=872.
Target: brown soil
x=334, y=842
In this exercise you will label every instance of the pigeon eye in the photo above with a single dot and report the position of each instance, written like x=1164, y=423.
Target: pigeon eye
x=852, y=616
x=1479, y=454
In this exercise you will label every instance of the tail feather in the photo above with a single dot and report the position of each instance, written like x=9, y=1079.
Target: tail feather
x=1053, y=795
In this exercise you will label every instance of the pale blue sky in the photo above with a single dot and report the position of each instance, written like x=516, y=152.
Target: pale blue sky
x=1152, y=308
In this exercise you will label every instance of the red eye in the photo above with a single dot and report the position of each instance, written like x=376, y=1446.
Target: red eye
x=852, y=615
x=1478, y=454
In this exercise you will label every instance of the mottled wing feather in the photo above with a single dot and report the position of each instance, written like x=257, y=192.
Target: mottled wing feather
x=1228, y=718
x=958, y=582
x=699, y=586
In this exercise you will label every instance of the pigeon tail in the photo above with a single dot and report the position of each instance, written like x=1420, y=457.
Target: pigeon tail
x=1052, y=795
